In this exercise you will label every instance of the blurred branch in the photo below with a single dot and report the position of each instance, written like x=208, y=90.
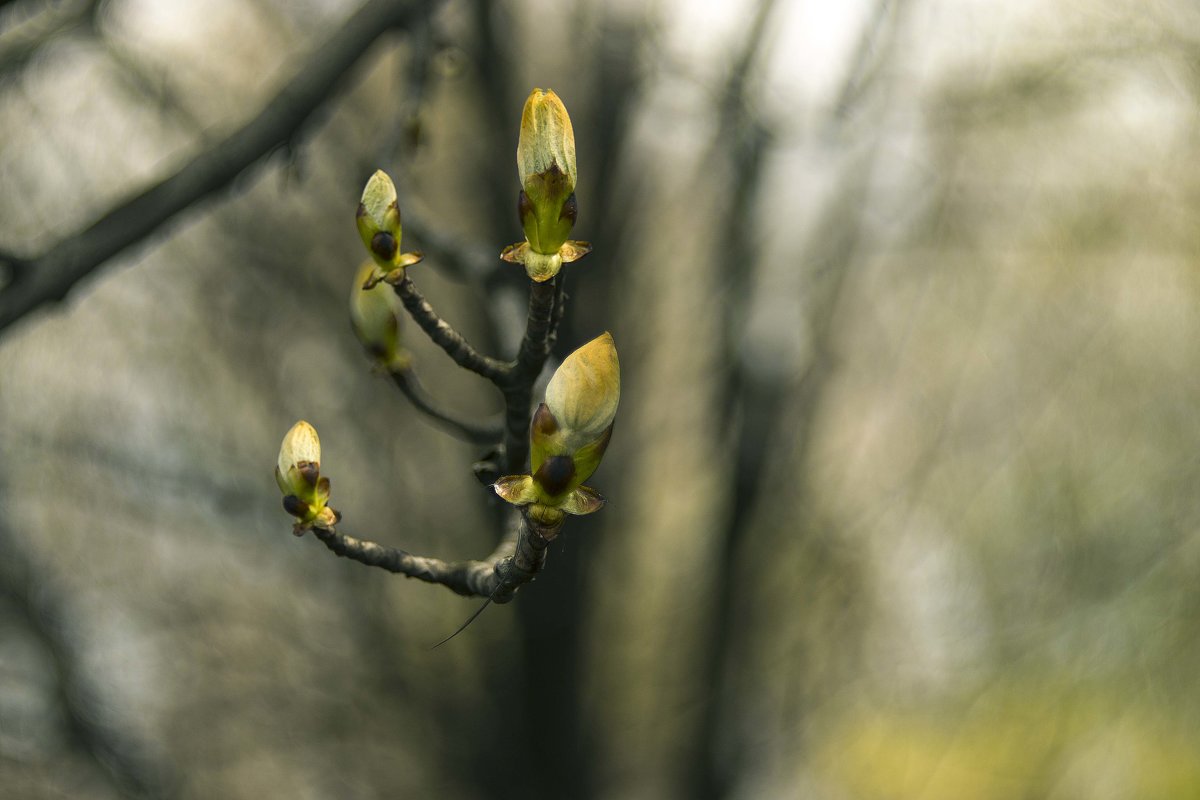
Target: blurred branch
x=739, y=139
x=755, y=400
x=445, y=337
x=869, y=55
x=59, y=19
x=464, y=261
x=51, y=275
x=406, y=130
x=495, y=71
x=498, y=578
x=150, y=82
x=407, y=380
x=46, y=614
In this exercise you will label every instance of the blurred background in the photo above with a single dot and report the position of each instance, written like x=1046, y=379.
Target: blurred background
x=902, y=490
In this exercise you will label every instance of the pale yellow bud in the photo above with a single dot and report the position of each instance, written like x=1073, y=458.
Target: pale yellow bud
x=547, y=140
x=300, y=446
x=584, y=392
x=375, y=316
x=378, y=219
x=298, y=473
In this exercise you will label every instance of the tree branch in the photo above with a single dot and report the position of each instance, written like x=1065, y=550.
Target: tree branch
x=52, y=274
x=518, y=390
x=39, y=29
x=471, y=432
x=445, y=337
x=497, y=578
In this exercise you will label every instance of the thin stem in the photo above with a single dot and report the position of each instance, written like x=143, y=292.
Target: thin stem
x=445, y=337
x=498, y=578
x=560, y=308
x=406, y=380
x=518, y=392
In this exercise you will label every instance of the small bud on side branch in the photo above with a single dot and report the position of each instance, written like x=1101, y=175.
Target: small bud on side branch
x=298, y=473
x=378, y=220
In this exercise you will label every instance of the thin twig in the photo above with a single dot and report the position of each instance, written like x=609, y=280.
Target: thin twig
x=560, y=309
x=518, y=393
x=471, y=432
x=445, y=337
x=498, y=578
x=55, y=272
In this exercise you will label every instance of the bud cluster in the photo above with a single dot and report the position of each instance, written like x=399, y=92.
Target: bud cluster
x=570, y=431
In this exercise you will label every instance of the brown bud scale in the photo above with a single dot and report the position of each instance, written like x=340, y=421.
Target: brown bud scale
x=384, y=245
x=555, y=474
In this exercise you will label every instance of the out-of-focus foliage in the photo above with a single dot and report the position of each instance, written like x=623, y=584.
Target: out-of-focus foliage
x=901, y=497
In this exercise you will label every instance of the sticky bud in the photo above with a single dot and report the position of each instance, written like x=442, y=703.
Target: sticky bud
x=378, y=220
x=584, y=392
x=569, y=434
x=379, y=217
x=297, y=472
x=546, y=204
x=546, y=147
x=375, y=317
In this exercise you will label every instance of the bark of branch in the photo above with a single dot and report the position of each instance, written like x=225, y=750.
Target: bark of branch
x=445, y=337
x=498, y=578
x=407, y=380
x=518, y=391
x=51, y=275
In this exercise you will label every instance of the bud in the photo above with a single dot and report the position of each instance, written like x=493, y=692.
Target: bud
x=584, y=392
x=378, y=221
x=569, y=434
x=298, y=473
x=546, y=203
x=375, y=317
x=379, y=218
x=546, y=150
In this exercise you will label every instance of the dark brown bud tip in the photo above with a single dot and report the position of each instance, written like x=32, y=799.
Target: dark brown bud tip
x=544, y=423
x=384, y=245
